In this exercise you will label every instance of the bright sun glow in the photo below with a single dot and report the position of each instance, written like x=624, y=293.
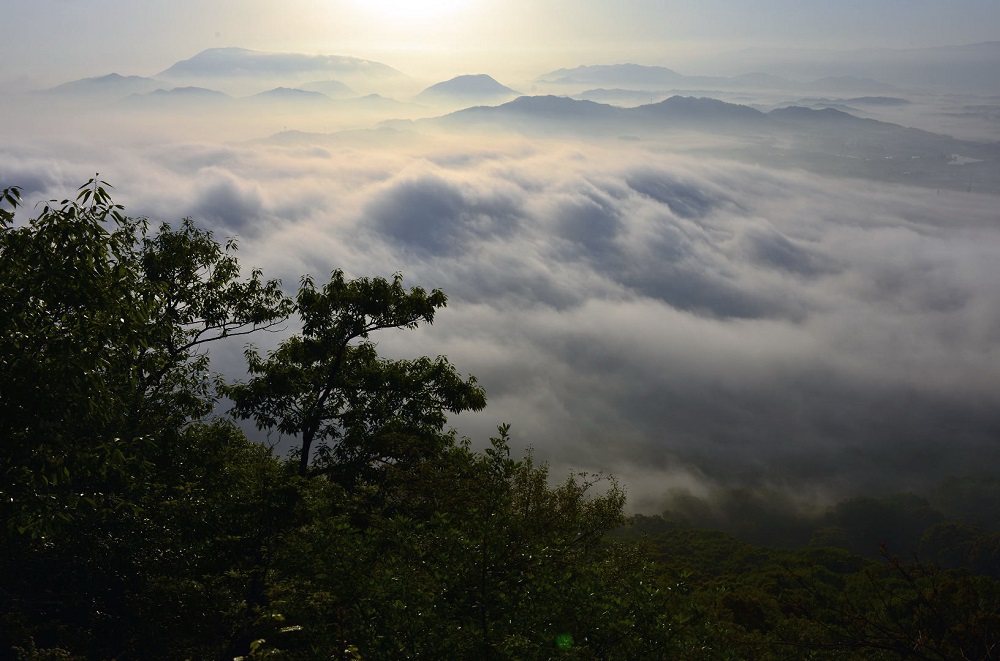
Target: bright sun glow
x=411, y=9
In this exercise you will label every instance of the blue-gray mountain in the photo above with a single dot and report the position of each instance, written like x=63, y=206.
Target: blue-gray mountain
x=662, y=78
x=241, y=62
x=469, y=89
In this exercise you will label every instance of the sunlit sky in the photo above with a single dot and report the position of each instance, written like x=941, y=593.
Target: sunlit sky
x=61, y=39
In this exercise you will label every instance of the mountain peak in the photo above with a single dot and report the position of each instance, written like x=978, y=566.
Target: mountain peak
x=243, y=63
x=701, y=110
x=471, y=87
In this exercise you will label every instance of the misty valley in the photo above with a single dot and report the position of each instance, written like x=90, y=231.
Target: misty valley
x=330, y=361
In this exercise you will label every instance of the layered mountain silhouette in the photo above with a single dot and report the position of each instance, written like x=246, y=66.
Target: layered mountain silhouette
x=674, y=112
x=243, y=72
x=821, y=131
x=565, y=115
x=623, y=77
x=825, y=140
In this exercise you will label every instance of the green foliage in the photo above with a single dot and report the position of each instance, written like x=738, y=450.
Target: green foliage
x=100, y=344
x=822, y=603
x=900, y=610
x=363, y=411
x=102, y=374
x=473, y=555
x=897, y=520
x=176, y=572
x=970, y=499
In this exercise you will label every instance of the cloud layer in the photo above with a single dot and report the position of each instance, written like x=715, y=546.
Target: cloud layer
x=679, y=322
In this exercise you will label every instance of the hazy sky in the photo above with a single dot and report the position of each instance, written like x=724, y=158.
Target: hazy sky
x=59, y=39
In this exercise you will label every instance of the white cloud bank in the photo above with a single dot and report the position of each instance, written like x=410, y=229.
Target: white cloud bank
x=675, y=321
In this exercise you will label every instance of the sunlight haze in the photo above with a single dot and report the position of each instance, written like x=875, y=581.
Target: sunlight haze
x=59, y=38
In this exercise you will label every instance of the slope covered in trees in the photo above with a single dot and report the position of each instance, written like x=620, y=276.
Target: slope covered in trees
x=135, y=525
x=138, y=526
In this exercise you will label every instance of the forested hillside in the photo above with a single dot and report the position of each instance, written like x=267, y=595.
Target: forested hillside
x=138, y=524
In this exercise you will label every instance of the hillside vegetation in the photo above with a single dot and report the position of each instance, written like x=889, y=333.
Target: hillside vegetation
x=139, y=525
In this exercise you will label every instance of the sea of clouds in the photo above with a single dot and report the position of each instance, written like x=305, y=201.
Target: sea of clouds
x=677, y=321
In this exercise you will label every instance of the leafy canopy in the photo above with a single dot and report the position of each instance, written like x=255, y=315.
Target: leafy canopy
x=329, y=386
x=102, y=337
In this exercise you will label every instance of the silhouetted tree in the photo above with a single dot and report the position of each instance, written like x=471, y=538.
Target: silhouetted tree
x=328, y=386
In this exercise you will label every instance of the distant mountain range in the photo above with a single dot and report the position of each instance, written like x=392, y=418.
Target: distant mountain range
x=655, y=77
x=675, y=112
x=136, y=90
x=243, y=72
x=824, y=140
x=831, y=130
x=563, y=114
x=862, y=73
